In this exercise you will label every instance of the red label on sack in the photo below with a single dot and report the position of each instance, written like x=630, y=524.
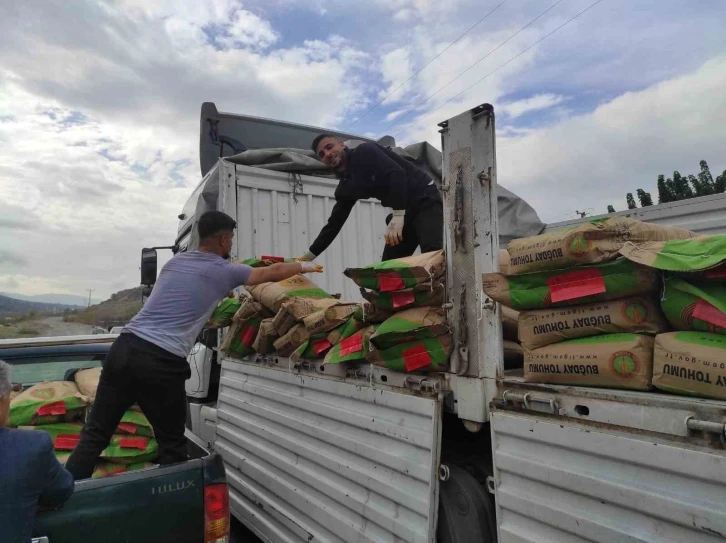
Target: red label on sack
x=719, y=272
x=576, y=284
x=388, y=282
x=416, y=357
x=66, y=442
x=402, y=299
x=134, y=443
x=709, y=313
x=273, y=258
x=354, y=344
x=55, y=408
x=247, y=335
x=321, y=345
x=128, y=427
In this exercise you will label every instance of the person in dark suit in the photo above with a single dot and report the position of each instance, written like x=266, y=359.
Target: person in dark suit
x=30, y=474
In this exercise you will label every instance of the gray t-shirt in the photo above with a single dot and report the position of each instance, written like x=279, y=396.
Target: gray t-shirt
x=188, y=290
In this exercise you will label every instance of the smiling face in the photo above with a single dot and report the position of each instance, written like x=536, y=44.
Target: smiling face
x=331, y=152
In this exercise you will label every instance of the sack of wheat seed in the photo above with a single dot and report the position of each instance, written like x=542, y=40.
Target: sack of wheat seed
x=283, y=321
x=266, y=336
x=243, y=331
x=421, y=295
x=265, y=261
x=704, y=254
x=631, y=315
x=136, y=424
x=370, y=314
x=287, y=344
x=345, y=330
x=596, y=241
x=222, y=315
x=87, y=381
x=329, y=318
x=587, y=284
x=691, y=363
x=426, y=354
x=104, y=468
x=695, y=305
x=400, y=273
x=510, y=323
x=314, y=347
x=610, y=361
x=272, y=295
x=504, y=261
x=351, y=349
x=47, y=403
x=410, y=325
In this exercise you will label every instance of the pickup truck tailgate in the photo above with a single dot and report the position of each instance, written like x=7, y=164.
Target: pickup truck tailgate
x=559, y=480
x=154, y=505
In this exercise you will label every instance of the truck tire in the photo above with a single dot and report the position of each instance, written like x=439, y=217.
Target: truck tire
x=466, y=513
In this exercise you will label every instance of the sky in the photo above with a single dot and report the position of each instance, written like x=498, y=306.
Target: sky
x=99, y=104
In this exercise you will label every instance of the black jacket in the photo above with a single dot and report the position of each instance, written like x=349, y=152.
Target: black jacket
x=373, y=171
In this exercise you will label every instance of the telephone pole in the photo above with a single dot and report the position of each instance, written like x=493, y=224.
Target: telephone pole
x=89, y=290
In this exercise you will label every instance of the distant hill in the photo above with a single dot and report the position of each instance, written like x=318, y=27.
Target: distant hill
x=116, y=311
x=64, y=299
x=11, y=306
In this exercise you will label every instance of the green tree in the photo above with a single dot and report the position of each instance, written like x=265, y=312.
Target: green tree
x=706, y=178
x=644, y=198
x=664, y=194
x=611, y=209
x=720, y=185
x=682, y=189
x=630, y=201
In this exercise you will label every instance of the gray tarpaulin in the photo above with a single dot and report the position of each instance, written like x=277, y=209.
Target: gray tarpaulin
x=517, y=219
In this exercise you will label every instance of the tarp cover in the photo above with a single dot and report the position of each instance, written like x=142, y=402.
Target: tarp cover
x=517, y=218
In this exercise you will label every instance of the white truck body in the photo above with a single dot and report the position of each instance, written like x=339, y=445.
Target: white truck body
x=358, y=457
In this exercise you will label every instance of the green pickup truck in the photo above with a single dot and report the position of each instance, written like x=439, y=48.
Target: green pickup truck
x=180, y=503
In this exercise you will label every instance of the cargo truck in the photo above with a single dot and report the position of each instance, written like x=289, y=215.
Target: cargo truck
x=475, y=454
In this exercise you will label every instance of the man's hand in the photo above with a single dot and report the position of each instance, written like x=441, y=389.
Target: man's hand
x=394, y=233
x=307, y=257
x=310, y=267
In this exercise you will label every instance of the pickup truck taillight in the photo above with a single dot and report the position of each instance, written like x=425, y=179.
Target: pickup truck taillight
x=216, y=514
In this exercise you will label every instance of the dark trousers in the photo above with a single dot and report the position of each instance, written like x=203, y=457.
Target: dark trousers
x=425, y=227
x=135, y=371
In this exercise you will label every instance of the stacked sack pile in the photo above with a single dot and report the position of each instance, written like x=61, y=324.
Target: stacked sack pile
x=692, y=359
x=587, y=315
x=58, y=408
x=416, y=336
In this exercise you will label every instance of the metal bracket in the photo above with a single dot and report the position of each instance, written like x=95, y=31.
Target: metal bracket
x=423, y=383
x=444, y=473
x=527, y=400
x=491, y=485
x=695, y=425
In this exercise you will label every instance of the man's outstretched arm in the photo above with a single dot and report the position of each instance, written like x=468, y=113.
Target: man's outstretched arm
x=280, y=272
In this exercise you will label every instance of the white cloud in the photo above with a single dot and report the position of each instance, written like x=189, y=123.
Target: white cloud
x=594, y=159
x=395, y=69
x=247, y=29
x=534, y=103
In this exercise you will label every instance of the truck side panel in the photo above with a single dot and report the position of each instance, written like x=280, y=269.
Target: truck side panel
x=271, y=222
x=310, y=457
x=561, y=483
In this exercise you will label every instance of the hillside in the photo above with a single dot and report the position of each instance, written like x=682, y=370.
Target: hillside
x=12, y=307
x=63, y=299
x=116, y=311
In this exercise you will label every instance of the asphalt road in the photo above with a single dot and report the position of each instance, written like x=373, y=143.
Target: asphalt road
x=54, y=326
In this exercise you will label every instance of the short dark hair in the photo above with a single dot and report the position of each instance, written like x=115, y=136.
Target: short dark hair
x=320, y=138
x=214, y=222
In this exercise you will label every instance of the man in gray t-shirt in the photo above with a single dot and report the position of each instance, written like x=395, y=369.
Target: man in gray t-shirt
x=147, y=363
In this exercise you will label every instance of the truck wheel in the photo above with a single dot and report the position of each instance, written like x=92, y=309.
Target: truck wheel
x=466, y=513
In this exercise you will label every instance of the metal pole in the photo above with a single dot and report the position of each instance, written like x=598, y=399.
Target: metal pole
x=89, y=290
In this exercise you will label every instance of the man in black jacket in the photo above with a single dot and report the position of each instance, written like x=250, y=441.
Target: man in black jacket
x=373, y=171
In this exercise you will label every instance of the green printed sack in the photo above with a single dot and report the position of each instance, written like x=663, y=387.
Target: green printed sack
x=272, y=295
x=345, y=330
x=314, y=347
x=691, y=363
x=105, y=468
x=243, y=331
x=609, y=361
x=421, y=295
x=329, y=318
x=222, y=315
x=265, y=261
x=130, y=449
x=589, y=243
x=410, y=325
x=423, y=355
x=400, y=273
x=705, y=254
x=695, y=305
x=266, y=336
x=352, y=349
x=609, y=281
x=136, y=424
x=371, y=314
x=46, y=403
x=287, y=344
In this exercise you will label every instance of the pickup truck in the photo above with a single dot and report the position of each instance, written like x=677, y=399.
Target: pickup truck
x=185, y=502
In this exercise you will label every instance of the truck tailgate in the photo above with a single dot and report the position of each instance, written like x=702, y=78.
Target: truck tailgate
x=561, y=479
x=154, y=505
